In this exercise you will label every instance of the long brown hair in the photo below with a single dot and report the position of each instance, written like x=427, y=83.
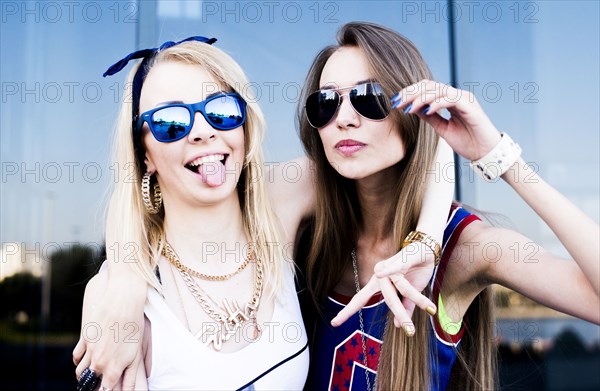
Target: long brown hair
x=395, y=63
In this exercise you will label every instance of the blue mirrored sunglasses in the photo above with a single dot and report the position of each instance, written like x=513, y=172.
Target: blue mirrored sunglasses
x=174, y=121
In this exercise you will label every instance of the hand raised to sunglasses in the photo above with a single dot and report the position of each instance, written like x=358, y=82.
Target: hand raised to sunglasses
x=468, y=131
x=412, y=270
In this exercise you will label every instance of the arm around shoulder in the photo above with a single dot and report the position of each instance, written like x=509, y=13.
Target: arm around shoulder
x=438, y=194
x=113, y=304
x=291, y=188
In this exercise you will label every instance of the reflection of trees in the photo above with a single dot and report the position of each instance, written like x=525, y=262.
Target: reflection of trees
x=564, y=363
x=71, y=269
x=173, y=127
x=510, y=304
x=21, y=294
x=506, y=298
x=219, y=118
x=568, y=343
x=172, y=131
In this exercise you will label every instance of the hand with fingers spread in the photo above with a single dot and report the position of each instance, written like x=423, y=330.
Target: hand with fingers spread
x=468, y=131
x=406, y=273
x=111, y=333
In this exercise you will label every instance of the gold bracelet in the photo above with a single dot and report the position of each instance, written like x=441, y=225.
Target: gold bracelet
x=418, y=236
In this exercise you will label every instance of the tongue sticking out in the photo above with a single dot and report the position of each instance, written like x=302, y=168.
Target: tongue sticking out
x=213, y=173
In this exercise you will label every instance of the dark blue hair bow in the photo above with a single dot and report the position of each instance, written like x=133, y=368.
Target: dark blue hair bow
x=138, y=80
x=145, y=53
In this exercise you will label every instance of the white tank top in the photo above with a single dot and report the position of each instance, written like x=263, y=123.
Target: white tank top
x=278, y=360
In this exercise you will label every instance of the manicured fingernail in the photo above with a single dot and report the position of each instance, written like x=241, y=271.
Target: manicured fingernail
x=407, y=109
x=431, y=310
x=396, y=98
x=410, y=331
x=426, y=110
x=394, y=105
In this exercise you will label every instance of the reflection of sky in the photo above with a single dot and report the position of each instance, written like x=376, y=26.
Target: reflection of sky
x=56, y=127
x=58, y=123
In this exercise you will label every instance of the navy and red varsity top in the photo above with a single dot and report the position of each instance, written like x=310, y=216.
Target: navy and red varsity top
x=337, y=360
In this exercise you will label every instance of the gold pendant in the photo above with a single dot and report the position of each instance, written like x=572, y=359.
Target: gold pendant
x=257, y=329
x=235, y=315
x=251, y=312
x=235, y=319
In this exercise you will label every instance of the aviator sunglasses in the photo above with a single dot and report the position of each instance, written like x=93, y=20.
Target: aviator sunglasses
x=172, y=122
x=367, y=99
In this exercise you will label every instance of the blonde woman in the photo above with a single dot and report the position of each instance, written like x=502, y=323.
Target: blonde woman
x=196, y=144
x=376, y=198
x=196, y=225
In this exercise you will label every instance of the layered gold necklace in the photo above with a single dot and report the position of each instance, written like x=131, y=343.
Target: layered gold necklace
x=230, y=317
x=222, y=277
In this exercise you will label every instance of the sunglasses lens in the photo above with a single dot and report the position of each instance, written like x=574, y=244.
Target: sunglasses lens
x=370, y=102
x=321, y=107
x=170, y=123
x=226, y=112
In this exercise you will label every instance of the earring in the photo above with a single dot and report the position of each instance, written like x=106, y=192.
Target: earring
x=152, y=203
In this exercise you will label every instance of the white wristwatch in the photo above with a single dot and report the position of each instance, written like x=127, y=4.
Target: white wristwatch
x=498, y=160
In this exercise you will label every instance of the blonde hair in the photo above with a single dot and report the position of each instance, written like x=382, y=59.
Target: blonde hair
x=143, y=232
x=404, y=363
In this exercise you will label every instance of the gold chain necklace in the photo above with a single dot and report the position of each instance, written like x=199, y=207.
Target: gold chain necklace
x=172, y=257
x=360, y=319
x=231, y=318
x=187, y=322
